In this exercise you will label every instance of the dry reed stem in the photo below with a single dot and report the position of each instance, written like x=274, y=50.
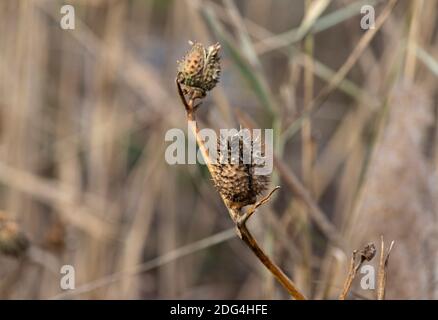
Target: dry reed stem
x=414, y=27
x=317, y=215
x=363, y=43
x=297, y=187
x=156, y=262
x=366, y=254
x=47, y=190
x=398, y=170
x=383, y=265
x=342, y=72
x=352, y=270
x=236, y=215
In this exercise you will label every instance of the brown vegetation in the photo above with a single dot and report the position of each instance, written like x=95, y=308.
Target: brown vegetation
x=83, y=116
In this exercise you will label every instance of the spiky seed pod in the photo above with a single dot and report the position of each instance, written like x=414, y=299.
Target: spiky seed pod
x=12, y=240
x=212, y=67
x=237, y=182
x=199, y=71
x=368, y=252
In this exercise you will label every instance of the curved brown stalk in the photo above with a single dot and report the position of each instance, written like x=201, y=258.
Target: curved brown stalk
x=238, y=217
x=366, y=254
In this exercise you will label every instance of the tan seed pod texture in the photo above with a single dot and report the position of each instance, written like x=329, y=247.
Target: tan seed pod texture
x=237, y=182
x=199, y=70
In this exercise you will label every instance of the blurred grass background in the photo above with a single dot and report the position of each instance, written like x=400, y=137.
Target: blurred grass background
x=84, y=112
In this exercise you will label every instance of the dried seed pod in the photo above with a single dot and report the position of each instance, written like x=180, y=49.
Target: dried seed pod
x=199, y=71
x=234, y=177
x=13, y=242
x=212, y=67
x=368, y=252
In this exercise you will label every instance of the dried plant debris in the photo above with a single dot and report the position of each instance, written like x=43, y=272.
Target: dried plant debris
x=368, y=252
x=199, y=70
x=398, y=200
x=13, y=242
x=234, y=173
x=383, y=265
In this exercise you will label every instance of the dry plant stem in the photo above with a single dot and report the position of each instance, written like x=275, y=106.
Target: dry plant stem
x=337, y=78
x=237, y=216
x=315, y=212
x=366, y=254
x=243, y=218
x=352, y=271
x=352, y=58
x=298, y=189
x=284, y=280
x=383, y=265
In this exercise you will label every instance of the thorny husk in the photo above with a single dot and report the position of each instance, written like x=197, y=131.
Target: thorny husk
x=234, y=177
x=368, y=252
x=199, y=70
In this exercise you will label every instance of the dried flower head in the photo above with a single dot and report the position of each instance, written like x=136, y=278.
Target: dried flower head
x=12, y=240
x=368, y=252
x=199, y=71
x=235, y=179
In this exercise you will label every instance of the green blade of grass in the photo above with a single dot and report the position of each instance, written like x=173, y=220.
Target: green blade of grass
x=311, y=25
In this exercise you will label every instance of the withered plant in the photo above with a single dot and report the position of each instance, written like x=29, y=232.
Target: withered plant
x=237, y=184
x=13, y=242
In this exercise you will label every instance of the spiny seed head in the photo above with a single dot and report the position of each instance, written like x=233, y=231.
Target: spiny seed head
x=368, y=252
x=199, y=71
x=237, y=182
x=12, y=240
